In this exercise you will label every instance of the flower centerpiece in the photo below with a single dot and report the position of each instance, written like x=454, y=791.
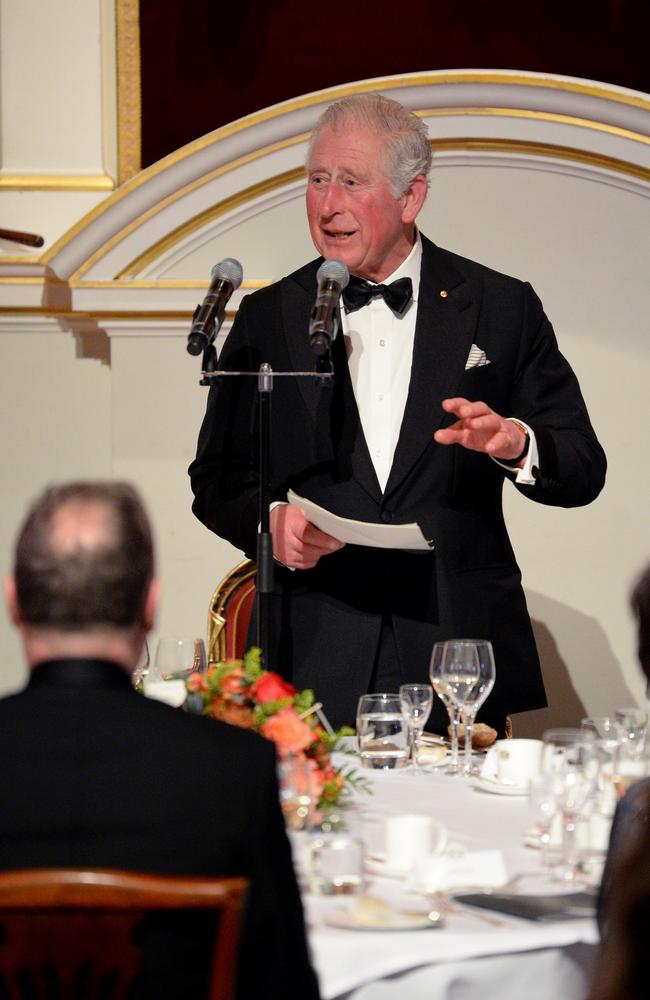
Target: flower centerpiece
x=242, y=693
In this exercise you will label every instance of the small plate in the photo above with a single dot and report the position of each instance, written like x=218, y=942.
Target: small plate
x=376, y=865
x=384, y=920
x=432, y=755
x=497, y=787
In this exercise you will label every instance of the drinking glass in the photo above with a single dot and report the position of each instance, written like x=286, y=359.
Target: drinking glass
x=440, y=687
x=570, y=762
x=296, y=781
x=382, y=731
x=416, y=701
x=179, y=657
x=141, y=668
x=467, y=674
x=632, y=724
x=544, y=806
x=175, y=660
x=335, y=855
x=607, y=739
x=631, y=764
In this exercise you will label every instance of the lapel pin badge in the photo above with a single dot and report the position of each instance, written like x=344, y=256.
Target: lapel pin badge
x=443, y=293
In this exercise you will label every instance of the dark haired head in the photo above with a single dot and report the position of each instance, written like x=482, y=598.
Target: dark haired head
x=84, y=558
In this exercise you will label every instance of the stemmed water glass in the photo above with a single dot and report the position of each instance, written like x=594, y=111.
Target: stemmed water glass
x=416, y=701
x=544, y=806
x=453, y=711
x=570, y=762
x=466, y=675
x=141, y=668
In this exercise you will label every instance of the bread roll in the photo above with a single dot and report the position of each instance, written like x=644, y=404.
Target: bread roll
x=482, y=736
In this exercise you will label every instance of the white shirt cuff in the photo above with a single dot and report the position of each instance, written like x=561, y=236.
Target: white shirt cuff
x=525, y=476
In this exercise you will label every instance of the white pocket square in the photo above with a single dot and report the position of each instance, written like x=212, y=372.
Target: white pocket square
x=476, y=358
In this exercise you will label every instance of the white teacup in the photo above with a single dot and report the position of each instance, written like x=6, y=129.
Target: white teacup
x=410, y=837
x=514, y=762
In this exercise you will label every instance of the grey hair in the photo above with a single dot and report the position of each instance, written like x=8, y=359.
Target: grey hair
x=408, y=153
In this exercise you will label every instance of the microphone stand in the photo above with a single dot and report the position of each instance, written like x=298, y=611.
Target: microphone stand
x=264, y=559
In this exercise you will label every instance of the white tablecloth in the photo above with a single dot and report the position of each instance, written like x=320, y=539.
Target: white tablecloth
x=438, y=963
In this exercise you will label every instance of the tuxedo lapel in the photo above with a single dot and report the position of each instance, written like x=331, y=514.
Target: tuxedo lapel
x=448, y=309
x=298, y=294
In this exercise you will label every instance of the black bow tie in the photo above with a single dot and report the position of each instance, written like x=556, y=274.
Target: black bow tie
x=397, y=295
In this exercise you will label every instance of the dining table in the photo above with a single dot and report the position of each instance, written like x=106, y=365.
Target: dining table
x=469, y=954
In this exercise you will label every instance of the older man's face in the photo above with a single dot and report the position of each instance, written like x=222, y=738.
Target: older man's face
x=353, y=214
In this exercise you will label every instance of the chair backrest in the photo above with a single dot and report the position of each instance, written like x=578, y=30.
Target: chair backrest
x=74, y=933
x=230, y=611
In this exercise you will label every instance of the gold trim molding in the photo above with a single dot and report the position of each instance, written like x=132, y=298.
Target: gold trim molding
x=56, y=182
x=129, y=94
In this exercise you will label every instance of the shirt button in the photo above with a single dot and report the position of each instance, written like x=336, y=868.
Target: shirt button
x=382, y=343
x=380, y=396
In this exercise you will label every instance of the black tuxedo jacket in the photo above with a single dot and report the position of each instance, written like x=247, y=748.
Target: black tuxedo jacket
x=96, y=775
x=328, y=619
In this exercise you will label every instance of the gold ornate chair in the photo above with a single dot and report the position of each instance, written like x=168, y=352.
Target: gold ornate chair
x=230, y=611
x=75, y=933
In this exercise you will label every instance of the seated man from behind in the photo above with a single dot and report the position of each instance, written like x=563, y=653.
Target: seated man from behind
x=95, y=775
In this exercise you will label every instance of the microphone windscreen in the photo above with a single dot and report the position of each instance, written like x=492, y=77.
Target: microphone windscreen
x=333, y=270
x=228, y=270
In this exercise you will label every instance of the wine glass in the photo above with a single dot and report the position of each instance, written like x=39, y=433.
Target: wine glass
x=416, y=701
x=570, y=761
x=141, y=668
x=175, y=659
x=467, y=671
x=631, y=724
x=543, y=804
x=179, y=657
x=453, y=711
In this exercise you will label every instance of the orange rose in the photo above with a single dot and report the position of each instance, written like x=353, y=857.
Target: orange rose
x=288, y=731
x=236, y=715
x=231, y=683
x=271, y=687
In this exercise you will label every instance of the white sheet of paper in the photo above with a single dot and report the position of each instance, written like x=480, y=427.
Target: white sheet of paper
x=377, y=536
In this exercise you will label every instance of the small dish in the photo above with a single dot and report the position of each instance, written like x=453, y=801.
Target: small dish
x=376, y=865
x=485, y=784
x=432, y=755
x=383, y=918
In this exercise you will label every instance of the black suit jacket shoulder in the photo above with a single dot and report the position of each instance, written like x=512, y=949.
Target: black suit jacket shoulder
x=96, y=775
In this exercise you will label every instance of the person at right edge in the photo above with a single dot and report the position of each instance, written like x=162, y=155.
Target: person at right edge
x=448, y=381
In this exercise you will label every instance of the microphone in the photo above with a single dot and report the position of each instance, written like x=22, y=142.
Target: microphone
x=226, y=277
x=332, y=277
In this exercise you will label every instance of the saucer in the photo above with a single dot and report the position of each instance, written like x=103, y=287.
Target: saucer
x=385, y=918
x=497, y=787
x=376, y=865
x=431, y=755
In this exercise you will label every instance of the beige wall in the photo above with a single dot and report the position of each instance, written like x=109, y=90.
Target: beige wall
x=126, y=400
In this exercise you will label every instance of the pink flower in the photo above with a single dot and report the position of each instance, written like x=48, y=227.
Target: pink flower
x=271, y=687
x=288, y=731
